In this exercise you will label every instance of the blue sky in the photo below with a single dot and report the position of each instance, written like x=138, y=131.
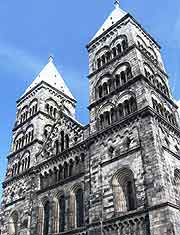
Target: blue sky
x=32, y=30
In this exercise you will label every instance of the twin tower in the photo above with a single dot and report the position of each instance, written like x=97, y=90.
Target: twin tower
x=118, y=175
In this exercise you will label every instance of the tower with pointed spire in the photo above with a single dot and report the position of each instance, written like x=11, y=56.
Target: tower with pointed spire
x=118, y=175
x=134, y=118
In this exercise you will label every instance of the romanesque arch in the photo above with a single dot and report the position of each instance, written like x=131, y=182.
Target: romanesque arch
x=123, y=188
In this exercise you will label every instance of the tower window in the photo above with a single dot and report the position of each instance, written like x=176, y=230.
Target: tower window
x=62, y=207
x=124, y=45
x=71, y=166
x=62, y=141
x=100, y=91
x=117, y=80
x=79, y=208
x=67, y=141
x=98, y=63
x=123, y=78
x=130, y=196
x=105, y=88
x=119, y=49
x=124, y=191
x=65, y=170
x=46, y=218
x=103, y=59
x=108, y=56
x=114, y=52
x=57, y=147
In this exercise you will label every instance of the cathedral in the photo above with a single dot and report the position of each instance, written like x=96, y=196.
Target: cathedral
x=118, y=175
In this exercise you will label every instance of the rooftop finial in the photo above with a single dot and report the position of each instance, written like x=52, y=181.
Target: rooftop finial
x=117, y=3
x=51, y=58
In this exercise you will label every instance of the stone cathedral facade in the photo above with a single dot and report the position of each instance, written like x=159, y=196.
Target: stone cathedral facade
x=120, y=174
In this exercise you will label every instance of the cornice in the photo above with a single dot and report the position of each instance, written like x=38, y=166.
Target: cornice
x=171, y=152
x=30, y=118
x=14, y=202
x=147, y=111
x=93, y=42
x=125, y=86
x=123, y=54
x=134, y=46
x=34, y=89
x=121, y=155
x=61, y=183
x=24, y=148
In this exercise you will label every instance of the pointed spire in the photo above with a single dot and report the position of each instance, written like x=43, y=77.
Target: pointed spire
x=51, y=58
x=116, y=15
x=117, y=3
x=51, y=76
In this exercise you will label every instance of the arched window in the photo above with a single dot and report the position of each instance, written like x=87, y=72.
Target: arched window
x=55, y=216
x=28, y=162
x=133, y=105
x=100, y=91
x=118, y=196
x=13, y=224
x=51, y=110
x=18, y=169
x=110, y=85
x=126, y=107
x=108, y=56
x=105, y=88
x=129, y=73
x=113, y=115
x=102, y=121
x=117, y=79
x=79, y=208
x=55, y=174
x=57, y=147
x=22, y=165
x=123, y=78
x=124, y=45
x=114, y=52
x=30, y=112
x=107, y=118
x=36, y=108
x=130, y=196
x=67, y=141
x=98, y=63
x=119, y=48
x=60, y=173
x=103, y=59
x=177, y=185
x=45, y=133
x=65, y=170
x=46, y=218
x=71, y=166
x=47, y=108
x=62, y=211
x=55, y=112
x=123, y=188
x=62, y=141
x=120, y=113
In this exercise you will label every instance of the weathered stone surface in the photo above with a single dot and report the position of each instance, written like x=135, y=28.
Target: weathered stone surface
x=126, y=161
